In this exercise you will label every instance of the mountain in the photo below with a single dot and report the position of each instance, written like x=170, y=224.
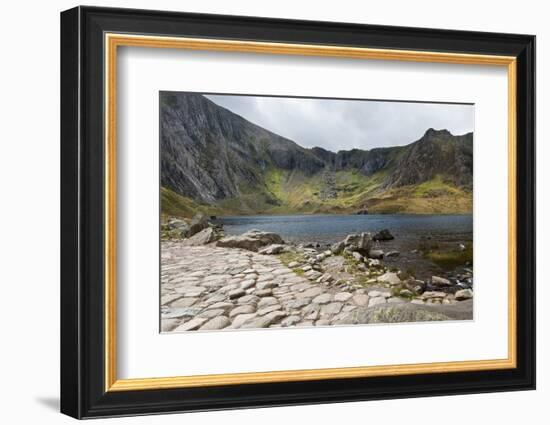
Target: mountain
x=215, y=160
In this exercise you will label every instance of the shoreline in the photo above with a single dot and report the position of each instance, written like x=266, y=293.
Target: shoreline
x=256, y=281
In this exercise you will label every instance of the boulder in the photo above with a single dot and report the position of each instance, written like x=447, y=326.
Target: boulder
x=464, y=294
x=392, y=254
x=357, y=257
x=440, y=281
x=252, y=240
x=383, y=235
x=177, y=224
x=358, y=242
x=338, y=247
x=272, y=249
x=392, y=313
x=203, y=237
x=390, y=278
x=199, y=222
x=376, y=254
x=362, y=211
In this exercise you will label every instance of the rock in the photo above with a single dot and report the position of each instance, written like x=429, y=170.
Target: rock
x=390, y=254
x=360, y=299
x=199, y=222
x=264, y=321
x=208, y=314
x=373, y=262
x=416, y=286
x=293, y=264
x=376, y=254
x=221, y=305
x=464, y=294
x=311, y=292
x=242, y=309
x=390, y=278
x=299, y=303
x=168, y=325
x=203, y=237
x=249, y=299
x=192, y=325
x=325, y=278
x=383, y=235
x=263, y=292
x=248, y=283
x=342, y=296
x=395, y=300
x=184, y=302
x=433, y=294
x=178, y=226
x=338, y=247
x=440, y=281
x=376, y=300
x=268, y=309
x=322, y=299
x=252, y=240
x=322, y=322
x=266, y=285
x=462, y=247
x=312, y=274
x=332, y=308
x=267, y=301
x=236, y=293
x=356, y=256
x=290, y=321
x=405, y=293
x=240, y=319
x=362, y=211
x=358, y=242
x=377, y=293
x=175, y=313
x=272, y=249
x=393, y=313
x=216, y=323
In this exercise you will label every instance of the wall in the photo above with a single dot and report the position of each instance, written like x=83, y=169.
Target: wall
x=29, y=229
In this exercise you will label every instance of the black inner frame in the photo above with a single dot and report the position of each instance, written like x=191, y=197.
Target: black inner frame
x=82, y=209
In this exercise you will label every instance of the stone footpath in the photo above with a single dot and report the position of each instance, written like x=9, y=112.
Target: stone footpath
x=211, y=288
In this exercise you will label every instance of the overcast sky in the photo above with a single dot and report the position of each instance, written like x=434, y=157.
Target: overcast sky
x=347, y=124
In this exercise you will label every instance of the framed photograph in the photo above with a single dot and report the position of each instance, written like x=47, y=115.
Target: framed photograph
x=261, y=212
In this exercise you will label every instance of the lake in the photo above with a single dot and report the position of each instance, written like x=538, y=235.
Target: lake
x=409, y=231
x=327, y=229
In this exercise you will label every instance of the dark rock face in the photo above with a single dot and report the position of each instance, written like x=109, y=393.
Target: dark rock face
x=208, y=154
x=436, y=153
x=382, y=235
x=199, y=222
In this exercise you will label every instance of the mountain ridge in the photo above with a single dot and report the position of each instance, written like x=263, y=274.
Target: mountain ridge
x=223, y=162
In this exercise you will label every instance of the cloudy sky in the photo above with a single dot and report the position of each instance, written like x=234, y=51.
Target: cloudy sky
x=347, y=124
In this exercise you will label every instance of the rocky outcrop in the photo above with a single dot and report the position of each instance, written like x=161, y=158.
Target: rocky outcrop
x=252, y=240
x=392, y=313
x=203, y=237
x=383, y=235
x=199, y=222
x=361, y=243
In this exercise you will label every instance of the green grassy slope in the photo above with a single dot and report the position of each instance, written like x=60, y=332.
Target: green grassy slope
x=292, y=192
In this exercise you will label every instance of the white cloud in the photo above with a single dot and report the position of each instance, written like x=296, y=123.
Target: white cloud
x=347, y=124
